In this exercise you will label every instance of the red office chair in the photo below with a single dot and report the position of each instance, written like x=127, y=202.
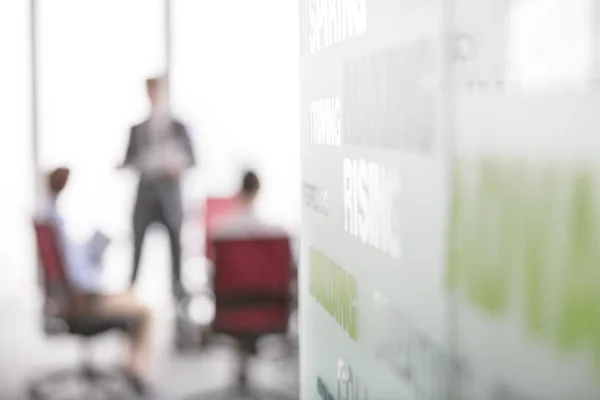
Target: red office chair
x=61, y=316
x=188, y=334
x=251, y=287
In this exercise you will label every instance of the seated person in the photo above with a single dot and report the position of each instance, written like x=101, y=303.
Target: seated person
x=82, y=263
x=244, y=223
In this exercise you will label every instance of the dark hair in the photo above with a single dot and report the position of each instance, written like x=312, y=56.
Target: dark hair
x=250, y=183
x=57, y=180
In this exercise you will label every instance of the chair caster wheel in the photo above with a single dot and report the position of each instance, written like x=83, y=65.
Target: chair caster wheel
x=205, y=339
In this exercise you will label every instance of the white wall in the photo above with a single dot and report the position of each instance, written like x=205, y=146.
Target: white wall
x=16, y=197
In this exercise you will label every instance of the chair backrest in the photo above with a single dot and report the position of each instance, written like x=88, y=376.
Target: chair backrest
x=216, y=209
x=56, y=287
x=252, y=285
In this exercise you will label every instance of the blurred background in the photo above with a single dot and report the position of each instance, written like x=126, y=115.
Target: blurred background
x=511, y=93
x=233, y=82
x=238, y=97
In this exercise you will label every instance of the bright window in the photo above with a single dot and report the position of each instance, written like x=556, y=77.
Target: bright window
x=94, y=57
x=236, y=82
x=550, y=42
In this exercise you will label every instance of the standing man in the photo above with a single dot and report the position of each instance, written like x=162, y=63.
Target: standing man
x=160, y=150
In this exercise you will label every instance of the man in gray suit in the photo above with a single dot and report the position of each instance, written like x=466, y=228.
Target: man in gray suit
x=160, y=150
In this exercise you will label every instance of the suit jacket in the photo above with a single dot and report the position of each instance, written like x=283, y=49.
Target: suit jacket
x=156, y=190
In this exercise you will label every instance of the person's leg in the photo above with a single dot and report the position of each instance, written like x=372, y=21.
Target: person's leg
x=127, y=304
x=141, y=221
x=174, y=231
x=173, y=226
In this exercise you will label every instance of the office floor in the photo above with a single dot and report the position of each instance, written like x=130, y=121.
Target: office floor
x=25, y=353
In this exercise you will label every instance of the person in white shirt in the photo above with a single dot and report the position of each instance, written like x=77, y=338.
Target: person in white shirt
x=83, y=269
x=245, y=223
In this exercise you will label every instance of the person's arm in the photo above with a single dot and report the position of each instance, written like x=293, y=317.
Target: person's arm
x=132, y=150
x=183, y=157
x=83, y=273
x=96, y=246
x=83, y=269
x=188, y=147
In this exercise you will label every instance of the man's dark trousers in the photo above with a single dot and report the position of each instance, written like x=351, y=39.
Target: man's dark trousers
x=159, y=198
x=150, y=209
x=147, y=212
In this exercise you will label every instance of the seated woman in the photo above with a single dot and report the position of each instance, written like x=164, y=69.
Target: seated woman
x=84, y=271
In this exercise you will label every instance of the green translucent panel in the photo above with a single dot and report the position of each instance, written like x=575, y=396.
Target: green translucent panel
x=525, y=237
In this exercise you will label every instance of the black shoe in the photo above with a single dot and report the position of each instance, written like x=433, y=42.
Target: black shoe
x=179, y=292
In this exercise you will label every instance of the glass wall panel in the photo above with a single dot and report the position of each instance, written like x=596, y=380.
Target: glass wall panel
x=524, y=224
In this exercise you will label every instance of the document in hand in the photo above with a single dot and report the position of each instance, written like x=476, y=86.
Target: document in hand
x=175, y=156
x=160, y=157
x=99, y=242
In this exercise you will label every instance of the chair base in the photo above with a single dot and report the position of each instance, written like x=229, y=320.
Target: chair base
x=242, y=390
x=84, y=383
